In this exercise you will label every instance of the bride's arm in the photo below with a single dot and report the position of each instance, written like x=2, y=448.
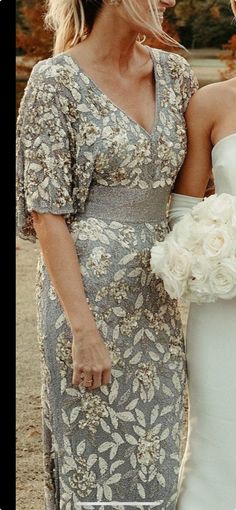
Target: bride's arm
x=194, y=175
x=192, y=180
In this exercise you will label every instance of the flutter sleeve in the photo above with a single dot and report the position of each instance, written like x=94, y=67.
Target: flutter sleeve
x=49, y=179
x=188, y=82
x=183, y=79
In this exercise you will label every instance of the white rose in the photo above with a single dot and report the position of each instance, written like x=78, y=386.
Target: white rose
x=178, y=260
x=176, y=269
x=233, y=221
x=199, y=293
x=171, y=263
x=190, y=235
x=217, y=208
x=200, y=211
x=221, y=209
x=198, y=287
x=175, y=288
x=217, y=243
x=184, y=233
x=201, y=268
x=222, y=279
x=158, y=257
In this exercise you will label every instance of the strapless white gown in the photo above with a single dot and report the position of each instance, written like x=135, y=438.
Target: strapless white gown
x=208, y=472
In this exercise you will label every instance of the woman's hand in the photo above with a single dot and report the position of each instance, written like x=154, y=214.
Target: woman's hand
x=89, y=352
x=90, y=355
x=91, y=358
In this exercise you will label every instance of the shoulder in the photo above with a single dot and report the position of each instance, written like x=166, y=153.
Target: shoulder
x=217, y=94
x=53, y=87
x=212, y=102
x=176, y=60
x=181, y=73
x=178, y=75
x=59, y=71
x=203, y=109
x=55, y=81
x=178, y=72
x=175, y=63
x=206, y=99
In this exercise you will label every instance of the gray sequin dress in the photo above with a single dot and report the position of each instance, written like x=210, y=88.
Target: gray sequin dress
x=80, y=155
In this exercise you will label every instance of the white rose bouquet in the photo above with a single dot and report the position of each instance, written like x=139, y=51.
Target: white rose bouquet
x=197, y=259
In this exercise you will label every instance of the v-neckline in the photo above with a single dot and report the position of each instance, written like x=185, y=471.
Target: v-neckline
x=108, y=99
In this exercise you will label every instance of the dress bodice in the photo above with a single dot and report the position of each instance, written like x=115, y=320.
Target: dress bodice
x=72, y=137
x=224, y=165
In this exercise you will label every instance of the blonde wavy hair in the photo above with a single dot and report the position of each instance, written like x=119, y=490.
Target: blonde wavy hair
x=233, y=5
x=72, y=20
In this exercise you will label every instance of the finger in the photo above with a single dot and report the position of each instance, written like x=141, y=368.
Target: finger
x=106, y=376
x=97, y=379
x=88, y=378
x=77, y=375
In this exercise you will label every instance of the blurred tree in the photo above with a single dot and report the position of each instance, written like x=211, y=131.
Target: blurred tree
x=230, y=59
x=18, y=17
x=203, y=23
x=32, y=39
x=212, y=28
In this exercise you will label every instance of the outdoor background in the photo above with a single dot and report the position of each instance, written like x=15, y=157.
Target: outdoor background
x=206, y=28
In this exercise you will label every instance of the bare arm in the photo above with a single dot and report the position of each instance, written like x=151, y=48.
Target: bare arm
x=196, y=170
x=89, y=352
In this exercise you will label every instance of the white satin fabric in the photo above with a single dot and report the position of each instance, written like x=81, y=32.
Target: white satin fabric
x=224, y=165
x=179, y=206
x=208, y=472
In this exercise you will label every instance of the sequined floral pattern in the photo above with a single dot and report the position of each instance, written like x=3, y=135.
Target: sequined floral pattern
x=69, y=133
x=121, y=442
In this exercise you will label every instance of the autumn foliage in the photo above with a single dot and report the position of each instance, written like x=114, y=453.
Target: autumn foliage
x=230, y=59
x=34, y=40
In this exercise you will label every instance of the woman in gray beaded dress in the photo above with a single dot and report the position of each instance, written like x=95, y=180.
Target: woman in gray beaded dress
x=100, y=139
